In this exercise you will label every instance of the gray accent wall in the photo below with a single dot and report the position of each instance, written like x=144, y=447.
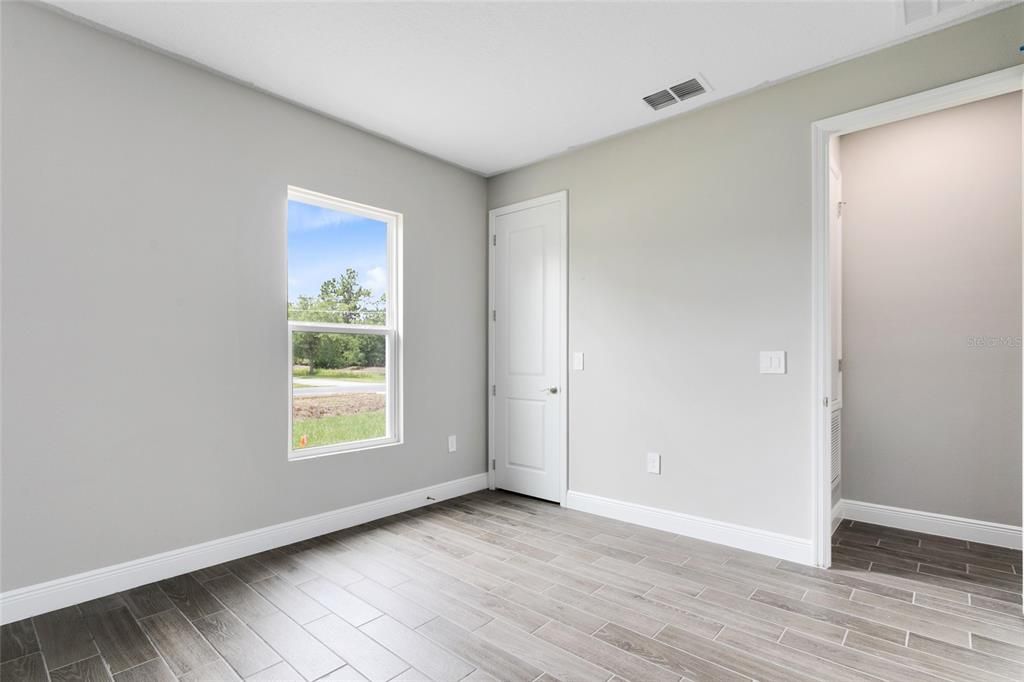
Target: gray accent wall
x=932, y=312
x=690, y=251
x=144, y=291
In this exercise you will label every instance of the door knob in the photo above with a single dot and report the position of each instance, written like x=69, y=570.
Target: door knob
x=550, y=389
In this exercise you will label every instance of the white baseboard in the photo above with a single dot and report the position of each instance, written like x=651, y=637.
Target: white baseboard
x=54, y=594
x=986, y=532
x=837, y=515
x=767, y=542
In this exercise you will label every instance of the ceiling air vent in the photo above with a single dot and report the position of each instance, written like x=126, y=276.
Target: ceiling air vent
x=677, y=93
x=690, y=88
x=660, y=100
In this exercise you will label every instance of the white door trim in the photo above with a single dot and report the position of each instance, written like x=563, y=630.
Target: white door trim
x=563, y=335
x=955, y=94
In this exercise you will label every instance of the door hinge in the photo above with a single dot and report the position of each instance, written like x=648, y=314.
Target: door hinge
x=494, y=315
x=494, y=464
x=825, y=401
x=494, y=240
x=839, y=208
x=494, y=389
x=839, y=365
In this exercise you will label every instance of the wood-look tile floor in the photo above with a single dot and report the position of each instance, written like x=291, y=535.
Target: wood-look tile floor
x=497, y=586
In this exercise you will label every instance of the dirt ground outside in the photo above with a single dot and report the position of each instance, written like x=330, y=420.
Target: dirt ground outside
x=318, y=407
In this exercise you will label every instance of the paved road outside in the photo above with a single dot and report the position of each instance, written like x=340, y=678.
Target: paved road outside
x=314, y=386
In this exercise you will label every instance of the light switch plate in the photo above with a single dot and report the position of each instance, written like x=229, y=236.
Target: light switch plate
x=577, y=362
x=773, y=362
x=653, y=463
x=451, y=443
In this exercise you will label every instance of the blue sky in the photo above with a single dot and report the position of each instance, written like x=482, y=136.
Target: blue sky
x=322, y=243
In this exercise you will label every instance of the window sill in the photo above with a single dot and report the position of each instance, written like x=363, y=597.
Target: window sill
x=329, y=450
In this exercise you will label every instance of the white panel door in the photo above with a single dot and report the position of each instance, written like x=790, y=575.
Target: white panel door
x=528, y=346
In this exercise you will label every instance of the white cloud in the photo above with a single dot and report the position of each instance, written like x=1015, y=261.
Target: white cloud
x=375, y=279
x=321, y=218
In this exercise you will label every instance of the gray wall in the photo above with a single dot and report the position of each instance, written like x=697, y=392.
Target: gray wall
x=932, y=260
x=690, y=250
x=144, y=300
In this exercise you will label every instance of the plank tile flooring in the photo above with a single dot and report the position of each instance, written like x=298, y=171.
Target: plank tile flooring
x=493, y=586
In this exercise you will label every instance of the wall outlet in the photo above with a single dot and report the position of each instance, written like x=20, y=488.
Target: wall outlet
x=451, y=444
x=653, y=463
x=577, y=362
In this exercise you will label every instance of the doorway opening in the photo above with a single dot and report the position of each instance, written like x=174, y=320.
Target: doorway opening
x=895, y=395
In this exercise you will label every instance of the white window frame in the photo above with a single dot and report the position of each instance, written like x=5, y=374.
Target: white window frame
x=391, y=330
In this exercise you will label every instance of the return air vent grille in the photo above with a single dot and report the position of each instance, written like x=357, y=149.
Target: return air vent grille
x=660, y=100
x=688, y=89
x=676, y=93
x=837, y=445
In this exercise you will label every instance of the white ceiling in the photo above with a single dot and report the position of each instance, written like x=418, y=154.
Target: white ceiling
x=494, y=86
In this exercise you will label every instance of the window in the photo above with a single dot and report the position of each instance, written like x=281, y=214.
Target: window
x=344, y=335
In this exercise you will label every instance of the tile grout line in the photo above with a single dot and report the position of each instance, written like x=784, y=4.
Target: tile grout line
x=201, y=635
x=302, y=627
x=75, y=662
x=160, y=654
x=158, y=657
x=39, y=643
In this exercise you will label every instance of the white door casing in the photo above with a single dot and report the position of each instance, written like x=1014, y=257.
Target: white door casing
x=528, y=245
x=835, y=230
x=835, y=241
